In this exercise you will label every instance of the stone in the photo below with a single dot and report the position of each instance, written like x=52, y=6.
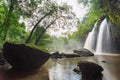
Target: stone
x=83, y=52
x=57, y=55
x=77, y=70
x=90, y=70
x=103, y=61
x=24, y=58
x=71, y=55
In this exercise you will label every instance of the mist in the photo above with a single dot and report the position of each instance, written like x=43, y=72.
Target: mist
x=65, y=45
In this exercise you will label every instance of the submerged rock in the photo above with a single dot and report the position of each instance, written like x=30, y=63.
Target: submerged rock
x=77, y=70
x=103, y=61
x=83, y=52
x=24, y=58
x=90, y=70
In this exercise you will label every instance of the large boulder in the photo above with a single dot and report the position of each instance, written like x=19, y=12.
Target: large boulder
x=24, y=58
x=89, y=70
x=83, y=52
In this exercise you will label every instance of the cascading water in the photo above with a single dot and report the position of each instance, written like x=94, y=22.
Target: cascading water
x=99, y=42
x=104, y=39
x=91, y=40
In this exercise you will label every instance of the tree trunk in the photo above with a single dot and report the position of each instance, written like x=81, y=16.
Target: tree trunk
x=35, y=26
x=36, y=42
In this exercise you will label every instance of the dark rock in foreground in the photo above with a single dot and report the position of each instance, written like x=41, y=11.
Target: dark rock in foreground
x=83, y=52
x=24, y=58
x=89, y=70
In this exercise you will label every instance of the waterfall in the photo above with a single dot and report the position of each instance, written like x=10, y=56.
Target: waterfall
x=104, y=39
x=90, y=42
x=99, y=41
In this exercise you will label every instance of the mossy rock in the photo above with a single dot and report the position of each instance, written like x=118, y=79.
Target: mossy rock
x=24, y=58
x=83, y=52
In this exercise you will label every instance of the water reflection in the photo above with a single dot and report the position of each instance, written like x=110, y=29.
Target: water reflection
x=63, y=70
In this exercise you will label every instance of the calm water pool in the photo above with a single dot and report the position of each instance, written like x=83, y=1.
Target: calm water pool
x=63, y=69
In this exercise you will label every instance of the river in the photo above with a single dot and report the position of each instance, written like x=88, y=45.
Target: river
x=62, y=69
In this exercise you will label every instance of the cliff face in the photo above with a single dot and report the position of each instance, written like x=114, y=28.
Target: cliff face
x=115, y=32
x=112, y=10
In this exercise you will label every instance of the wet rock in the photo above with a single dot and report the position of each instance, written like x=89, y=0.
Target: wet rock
x=57, y=55
x=104, y=61
x=90, y=70
x=63, y=55
x=71, y=55
x=24, y=58
x=83, y=52
x=2, y=61
x=77, y=70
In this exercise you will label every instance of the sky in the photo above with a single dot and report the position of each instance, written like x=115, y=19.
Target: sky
x=78, y=9
x=80, y=12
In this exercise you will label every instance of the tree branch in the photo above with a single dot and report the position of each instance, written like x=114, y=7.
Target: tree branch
x=35, y=26
x=36, y=42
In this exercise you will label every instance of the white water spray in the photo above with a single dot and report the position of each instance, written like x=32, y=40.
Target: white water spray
x=90, y=43
x=99, y=42
x=104, y=38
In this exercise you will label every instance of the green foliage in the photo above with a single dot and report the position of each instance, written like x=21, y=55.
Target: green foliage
x=17, y=34
x=112, y=9
x=9, y=24
x=45, y=39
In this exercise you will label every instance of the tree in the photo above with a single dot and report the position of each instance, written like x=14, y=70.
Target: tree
x=9, y=22
x=37, y=40
x=44, y=13
x=6, y=24
x=45, y=38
